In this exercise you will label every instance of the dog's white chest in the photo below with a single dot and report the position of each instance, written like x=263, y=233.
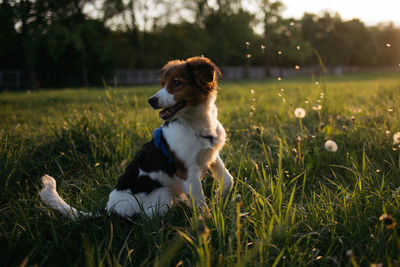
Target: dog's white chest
x=185, y=143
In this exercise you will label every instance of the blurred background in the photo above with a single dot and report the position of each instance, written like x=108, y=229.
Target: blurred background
x=67, y=43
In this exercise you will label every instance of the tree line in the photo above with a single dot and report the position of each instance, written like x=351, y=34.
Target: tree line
x=79, y=42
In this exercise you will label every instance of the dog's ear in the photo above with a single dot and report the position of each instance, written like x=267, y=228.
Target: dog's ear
x=205, y=73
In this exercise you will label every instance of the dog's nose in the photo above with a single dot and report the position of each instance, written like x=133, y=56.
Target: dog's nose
x=153, y=101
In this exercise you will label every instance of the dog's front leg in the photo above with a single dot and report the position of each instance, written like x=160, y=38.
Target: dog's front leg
x=222, y=175
x=193, y=188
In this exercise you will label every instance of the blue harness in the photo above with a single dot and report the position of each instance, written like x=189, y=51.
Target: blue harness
x=158, y=142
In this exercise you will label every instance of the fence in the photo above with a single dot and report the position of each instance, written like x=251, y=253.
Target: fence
x=17, y=79
x=12, y=79
x=131, y=77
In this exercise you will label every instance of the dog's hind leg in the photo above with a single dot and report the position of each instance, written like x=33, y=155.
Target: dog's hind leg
x=222, y=175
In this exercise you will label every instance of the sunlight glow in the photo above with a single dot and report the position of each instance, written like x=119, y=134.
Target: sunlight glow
x=369, y=11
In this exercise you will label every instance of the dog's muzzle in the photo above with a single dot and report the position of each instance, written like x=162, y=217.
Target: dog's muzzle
x=153, y=101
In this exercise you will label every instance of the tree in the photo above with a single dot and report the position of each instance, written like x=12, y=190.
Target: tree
x=271, y=18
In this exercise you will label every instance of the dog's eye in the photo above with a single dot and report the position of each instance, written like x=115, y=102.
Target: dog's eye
x=177, y=83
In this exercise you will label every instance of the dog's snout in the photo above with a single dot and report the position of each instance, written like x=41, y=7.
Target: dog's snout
x=153, y=101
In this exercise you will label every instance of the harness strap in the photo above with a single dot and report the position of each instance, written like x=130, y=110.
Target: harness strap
x=159, y=143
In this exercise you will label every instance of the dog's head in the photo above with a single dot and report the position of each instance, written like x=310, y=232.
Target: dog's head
x=184, y=84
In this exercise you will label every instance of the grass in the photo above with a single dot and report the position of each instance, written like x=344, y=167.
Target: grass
x=294, y=203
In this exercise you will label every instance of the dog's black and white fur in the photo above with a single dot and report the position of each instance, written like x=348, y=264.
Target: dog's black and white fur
x=172, y=164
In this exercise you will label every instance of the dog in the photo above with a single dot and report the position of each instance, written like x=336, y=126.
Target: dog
x=181, y=151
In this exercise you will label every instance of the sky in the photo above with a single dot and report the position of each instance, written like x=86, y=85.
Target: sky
x=371, y=12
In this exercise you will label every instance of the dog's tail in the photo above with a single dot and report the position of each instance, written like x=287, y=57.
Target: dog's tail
x=50, y=196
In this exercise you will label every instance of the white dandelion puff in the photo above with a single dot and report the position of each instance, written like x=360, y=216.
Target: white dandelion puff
x=252, y=91
x=279, y=52
x=331, y=146
x=396, y=138
x=291, y=23
x=297, y=67
x=279, y=79
x=299, y=113
x=388, y=45
x=349, y=253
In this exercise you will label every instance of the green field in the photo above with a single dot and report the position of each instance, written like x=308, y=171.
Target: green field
x=299, y=204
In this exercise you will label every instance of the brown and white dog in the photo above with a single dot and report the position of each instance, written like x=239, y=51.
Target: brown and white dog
x=185, y=146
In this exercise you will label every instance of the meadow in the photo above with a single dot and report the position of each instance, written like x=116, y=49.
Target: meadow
x=294, y=203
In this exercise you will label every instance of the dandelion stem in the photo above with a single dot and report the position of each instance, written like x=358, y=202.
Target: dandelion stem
x=301, y=127
x=238, y=248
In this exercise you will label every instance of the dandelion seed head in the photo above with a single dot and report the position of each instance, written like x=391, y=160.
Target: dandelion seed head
x=331, y=146
x=248, y=56
x=317, y=83
x=297, y=67
x=349, y=253
x=263, y=47
x=317, y=107
x=284, y=100
x=299, y=113
x=247, y=43
x=307, y=102
x=388, y=45
x=280, y=52
x=279, y=94
x=378, y=170
x=390, y=110
x=279, y=79
x=252, y=91
x=298, y=48
x=282, y=89
x=387, y=132
x=396, y=138
x=291, y=23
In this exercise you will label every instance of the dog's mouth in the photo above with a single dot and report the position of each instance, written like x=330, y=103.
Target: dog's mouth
x=168, y=113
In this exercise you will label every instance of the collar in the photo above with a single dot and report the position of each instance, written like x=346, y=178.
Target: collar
x=159, y=143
